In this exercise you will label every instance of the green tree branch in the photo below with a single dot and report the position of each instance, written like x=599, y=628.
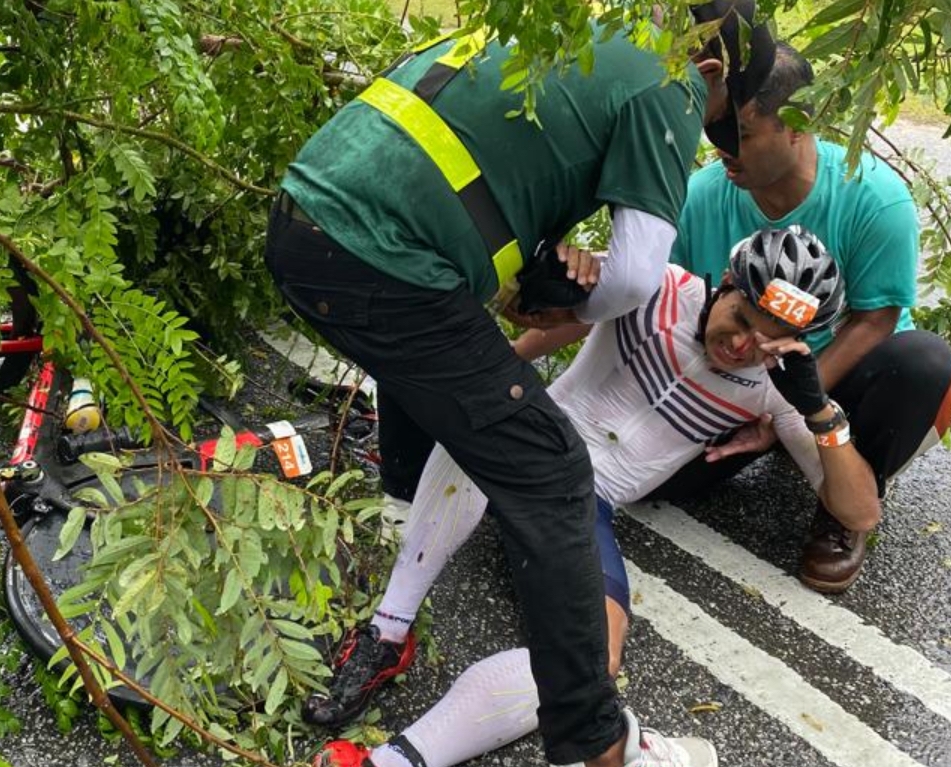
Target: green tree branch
x=150, y=135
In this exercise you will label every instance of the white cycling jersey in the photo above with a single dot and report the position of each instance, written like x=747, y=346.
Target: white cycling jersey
x=646, y=400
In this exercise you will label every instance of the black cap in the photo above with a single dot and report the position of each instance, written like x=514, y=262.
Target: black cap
x=742, y=81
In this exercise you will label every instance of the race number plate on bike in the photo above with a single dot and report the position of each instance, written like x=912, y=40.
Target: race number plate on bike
x=788, y=303
x=290, y=450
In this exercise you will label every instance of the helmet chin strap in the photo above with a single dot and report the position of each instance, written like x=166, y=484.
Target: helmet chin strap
x=711, y=298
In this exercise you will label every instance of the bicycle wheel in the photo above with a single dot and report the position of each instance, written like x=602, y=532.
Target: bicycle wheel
x=20, y=341
x=41, y=533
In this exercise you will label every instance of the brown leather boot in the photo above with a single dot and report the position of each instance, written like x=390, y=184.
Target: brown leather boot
x=833, y=556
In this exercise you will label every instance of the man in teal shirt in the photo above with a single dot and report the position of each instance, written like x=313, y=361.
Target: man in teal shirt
x=412, y=207
x=893, y=387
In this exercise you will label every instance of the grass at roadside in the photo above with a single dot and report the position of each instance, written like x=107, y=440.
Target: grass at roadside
x=922, y=109
x=444, y=10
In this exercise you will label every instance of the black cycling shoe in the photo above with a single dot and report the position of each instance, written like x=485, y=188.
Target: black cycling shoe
x=364, y=663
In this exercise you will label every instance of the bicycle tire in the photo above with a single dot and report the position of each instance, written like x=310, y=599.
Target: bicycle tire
x=41, y=534
x=18, y=321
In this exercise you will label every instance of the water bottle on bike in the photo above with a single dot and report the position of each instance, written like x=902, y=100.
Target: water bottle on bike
x=82, y=410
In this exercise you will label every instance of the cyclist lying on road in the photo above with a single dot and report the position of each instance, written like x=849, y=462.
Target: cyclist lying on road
x=648, y=392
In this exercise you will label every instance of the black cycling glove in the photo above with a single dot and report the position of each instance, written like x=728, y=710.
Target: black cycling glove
x=796, y=376
x=544, y=284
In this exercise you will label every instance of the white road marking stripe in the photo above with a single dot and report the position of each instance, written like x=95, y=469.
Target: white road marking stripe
x=906, y=669
x=763, y=680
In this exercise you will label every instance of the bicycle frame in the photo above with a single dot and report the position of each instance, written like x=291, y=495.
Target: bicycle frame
x=36, y=411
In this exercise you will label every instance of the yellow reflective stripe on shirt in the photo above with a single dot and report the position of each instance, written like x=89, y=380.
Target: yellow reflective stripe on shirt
x=420, y=121
x=464, y=50
x=507, y=262
x=427, y=128
x=427, y=44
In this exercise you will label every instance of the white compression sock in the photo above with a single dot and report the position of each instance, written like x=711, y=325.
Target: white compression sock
x=446, y=510
x=491, y=704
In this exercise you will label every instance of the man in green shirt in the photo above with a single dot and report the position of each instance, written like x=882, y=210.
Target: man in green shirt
x=407, y=212
x=892, y=381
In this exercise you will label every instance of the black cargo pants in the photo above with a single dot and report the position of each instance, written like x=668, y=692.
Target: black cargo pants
x=441, y=359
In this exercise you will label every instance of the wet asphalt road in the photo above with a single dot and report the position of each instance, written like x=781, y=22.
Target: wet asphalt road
x=858, y=680
x=791, y=695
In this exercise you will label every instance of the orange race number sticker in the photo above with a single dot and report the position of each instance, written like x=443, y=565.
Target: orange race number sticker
x=290, y=450
x=788, y=303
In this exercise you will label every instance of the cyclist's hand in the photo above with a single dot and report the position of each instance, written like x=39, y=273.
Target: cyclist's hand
x=794, y=372
x=754, y=437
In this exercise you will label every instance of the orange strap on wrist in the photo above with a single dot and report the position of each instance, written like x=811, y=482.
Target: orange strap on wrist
x=835, y=438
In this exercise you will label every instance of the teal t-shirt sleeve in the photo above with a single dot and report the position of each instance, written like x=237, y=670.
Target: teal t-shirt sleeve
x=651, y=148
x=884, y=264
x=700, y=226
x=680, y=252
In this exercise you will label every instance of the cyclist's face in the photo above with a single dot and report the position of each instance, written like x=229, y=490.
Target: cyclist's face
x=730, y=339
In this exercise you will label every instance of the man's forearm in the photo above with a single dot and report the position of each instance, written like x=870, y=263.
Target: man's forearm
x=848, y=490
x=863, y=332
x=634, y=269
x=537, y=343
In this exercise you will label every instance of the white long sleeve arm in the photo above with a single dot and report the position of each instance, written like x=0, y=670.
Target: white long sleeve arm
x=632, y=272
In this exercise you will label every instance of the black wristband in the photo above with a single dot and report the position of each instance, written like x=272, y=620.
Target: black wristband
x=830, y=424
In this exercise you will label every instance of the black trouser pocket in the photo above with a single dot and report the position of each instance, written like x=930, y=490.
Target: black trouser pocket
x=346, y=305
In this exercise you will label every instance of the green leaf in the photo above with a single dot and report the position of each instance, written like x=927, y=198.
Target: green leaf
x=72, y=529
x=251, y=553
x=586, y=59
x=132, y=593
x=795, y=118
x=116, y=645
x=267, y=500
x=93, y=496
x=275, y=695
x=101, y=462
x=91, y=584
x=244, y=458
x=836, y=40
x=263, y=670
x=129, y=575
x=134, y=170
x=220, y=732
x=230, y=592
x=330, y=527
x=204, y=490
x=836, y=12
x=249, y=631
x=183, y=628
x=75, y=609
x=746, y=35
x=301, y=650
x=225, y=450
x=119, y=549
x=926, y=38
x=58, y=657
x=112, y=487
x=245, y=501
x=514, y=80
x=206, y=618
x=292, y=629
x=172, y=729
x=342, y=481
